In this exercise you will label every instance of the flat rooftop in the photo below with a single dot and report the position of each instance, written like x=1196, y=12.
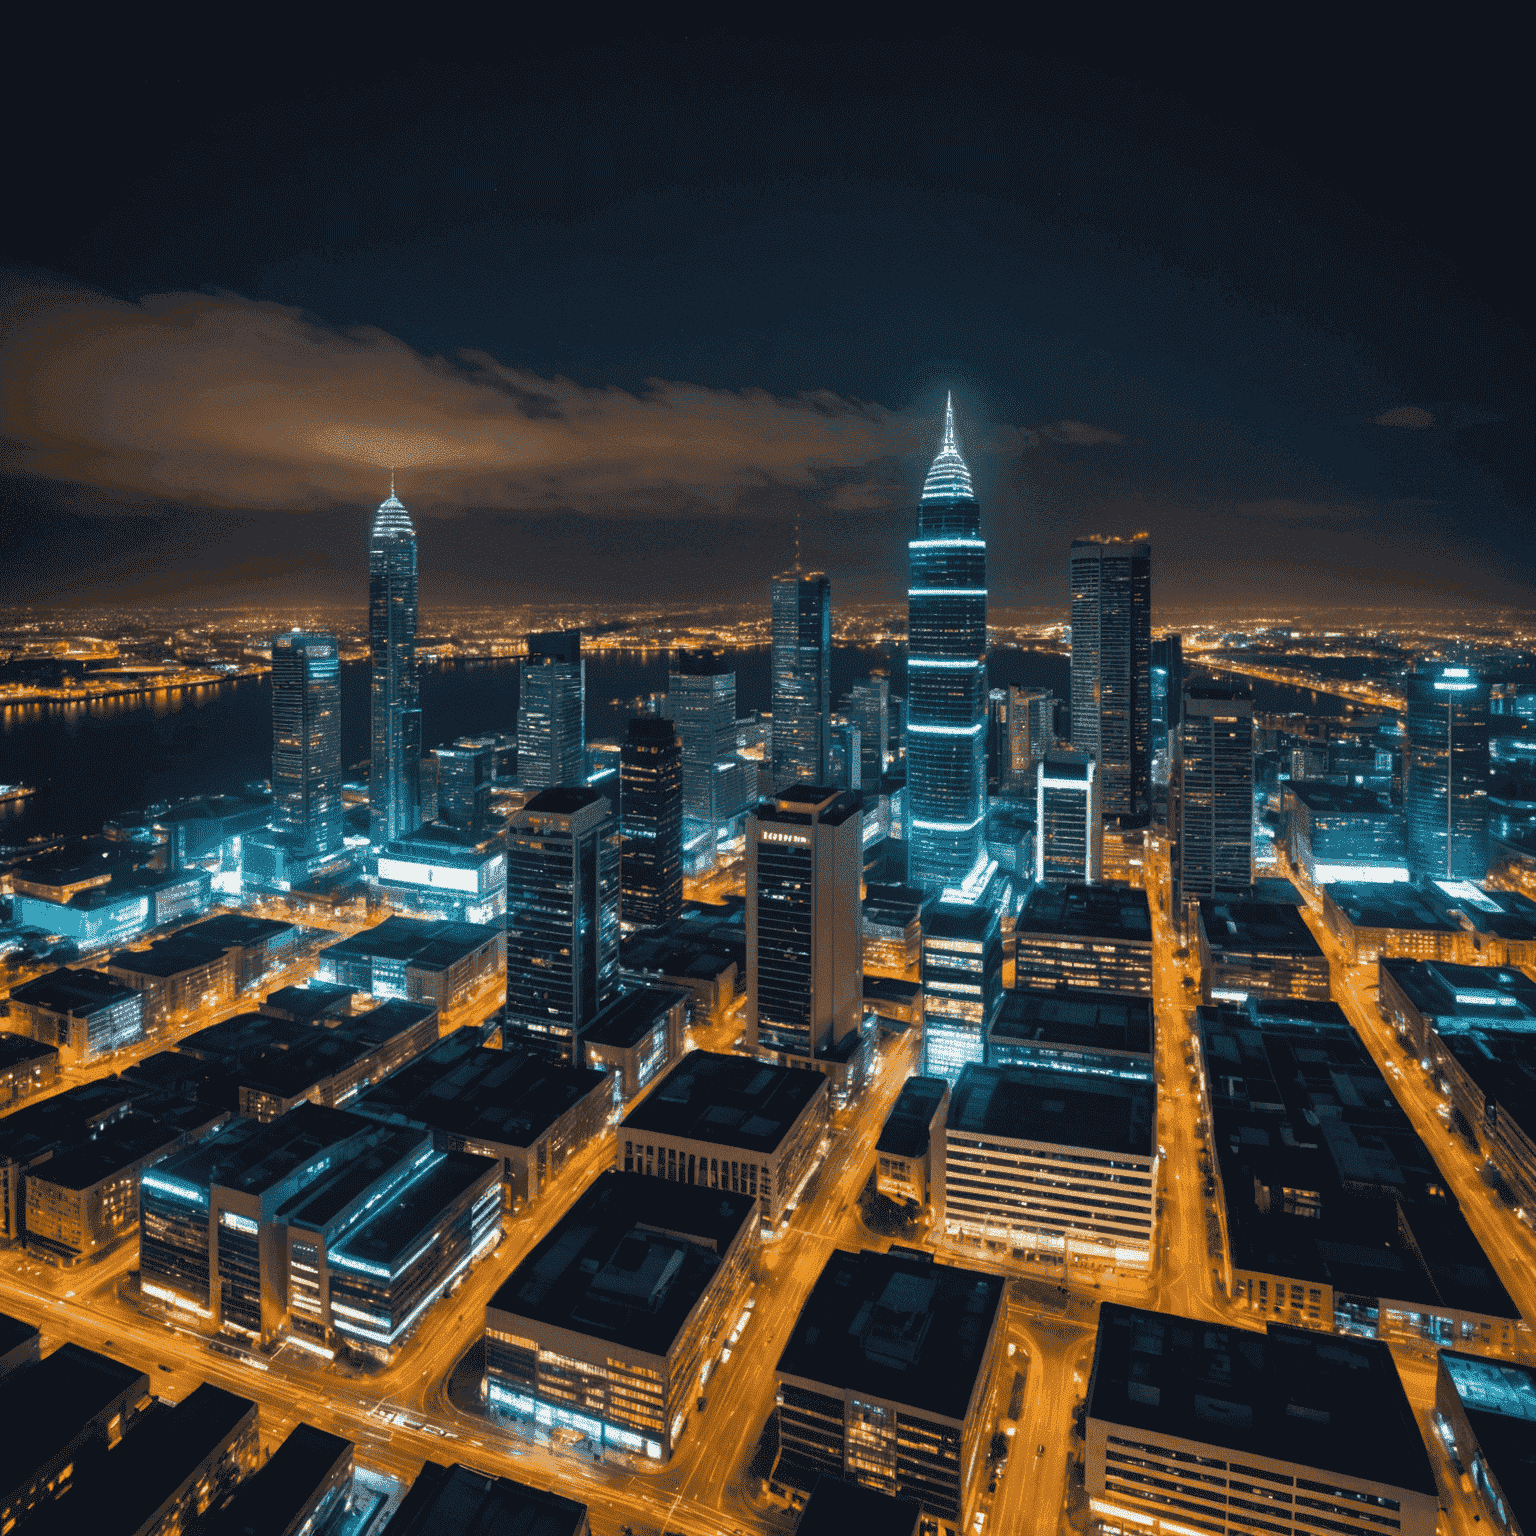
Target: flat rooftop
x=632, y=1016
x=1324, y=799
x=1493, y=996
x=460, y=1500
x=1394, y=904
x=1258, y=927
x=561, y=800
x=14, y=1333
x=409, y=938
x=384, y=1237
x=905, y=1133
x=1508, y=914
x=167, y=957
x=321, y=1203
x=628, y=1261
x=897, y=1328
x=234, y=930
x=953, y=920
x=271, y=1499
x=1103, y=1021
x=304, y=1003
x=64, y=1117
x=1088, y=911
x=1100, y=1114
x=800, y=804
x=252, y=1157
x=838, y=1508
x=733, y=1101
x=1313, y=1399
x=1499, y=1400
x=464, y=1089
x=79, y=992
x=121, y=1145
x=17, y=1050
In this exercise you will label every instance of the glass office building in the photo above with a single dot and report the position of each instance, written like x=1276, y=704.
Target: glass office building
x=1446, y=790
x=1215, y=799
x=802, y=677
x=551, y=712
x=946, y=711
x=651, y=822
x=394, y=776
x=869, y=709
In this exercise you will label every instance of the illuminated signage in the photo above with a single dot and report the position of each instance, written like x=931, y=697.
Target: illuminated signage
x=784, y=837
x=439, y=876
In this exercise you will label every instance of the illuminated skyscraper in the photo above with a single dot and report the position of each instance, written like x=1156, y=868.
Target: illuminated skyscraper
x=1211, y=815
x=464, y=774
x=651, y=822
x=1445, y=791
x=1069, y=826
x=551, y=712
x=1111, y=668
x=701, y=701
x=946, y=712
x=802, y=677
x=394, y=777
x=869, y=708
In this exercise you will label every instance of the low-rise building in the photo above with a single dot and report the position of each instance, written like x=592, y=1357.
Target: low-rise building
x=732, y=1123
x=962, y=984
x=1335, y=1214
x=1193, y=1425
x=1102, y=1034
x=256, y=946
x=606, y=1334
x=26, y=1067
x=1093, y=938
x=458, y=1498
x=444, y=872
x=1474, y=1028
x=61, y=1415
x=529, y=1114
x=178, y=978
x=896, y=1003
x=169, y=1469
x=704, y=951
x=1259, y=949
x=451, y=965
x=1059, y=1167
x=1379, y=922
x=131, y=902
x=636, y=1037
x=83, y=1014
x=838, y=1506
x=892, y=916
x=1342, y=832
x=883, y=1378
x=1497, y=927
x=301, y=1488
x=315, y=1003
x=1485, y=1418
x=909, y=1156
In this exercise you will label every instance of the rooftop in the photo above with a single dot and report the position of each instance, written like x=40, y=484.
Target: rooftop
x=460, y=1500
x=732, y=1101
x=1102, y=1114
x=18, y=1049
x=906, y=1129
x=253, y=1158
x=1270, y=927
x=897, y=1327
x=632, y=1016
x=1088, y=911
x=1322, y=798
x=307, y=1003
x=78, y=992
x=562, y=801
x=167, y=957
x=1394, y=904
x=954, y=920
x=1104, y=1021
x=838, y=1508
x=1294, y=1395
x=628, y=1261
x=1499, y=1400
x=384, y=1236
x=14, y=1333
x=1496, y=997
x=120, y=1146
x=320, y=1204
x=270, y=1500
x=413, y=939
x=802, y=804
x=234, y=930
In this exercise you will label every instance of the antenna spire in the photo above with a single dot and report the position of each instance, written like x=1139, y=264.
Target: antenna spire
x=949, y=422
x=391, y=480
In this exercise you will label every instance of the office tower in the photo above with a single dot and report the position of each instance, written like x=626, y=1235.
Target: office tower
x=701, y=702
x=802, y=677
x=651, y=822
x=563, y=874
x=1446, y=790
x=869, y=708
x=805, y=973
x=464, y=774
x=551, y=712
x=1167, y=687
x=1026, y=720
x=946, y=715
x=962, y=984
x=394, y=773
x=845, y=755
x=1215, y=791
x=1111, y=664
x=1069, y=821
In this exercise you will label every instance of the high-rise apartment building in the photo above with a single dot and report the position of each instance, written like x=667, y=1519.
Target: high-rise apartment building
x=946, y=713
x=805, y=973
x=869, y=708
x=701, y=703
x=1111, y=667
x=551, y=712
x=651, y=822
x=1446, y=779
x=464, y=774
x=563, y=898
x=1167, y=687
x=1214, y=802
x=802, y=677
x=1069, y=821
x=394, y=774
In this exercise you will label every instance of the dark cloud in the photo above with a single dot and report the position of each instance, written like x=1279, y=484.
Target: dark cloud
x=1414, y=417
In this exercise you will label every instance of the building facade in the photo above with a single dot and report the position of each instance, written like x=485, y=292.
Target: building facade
x=394, y=775
x=1214, y=833
x=802, y=678
x=551, y=712
x=1069, y=820
x=869, y=710
x=1445, y=792
x=962, y=985
x=946, y=708
x=651, y=774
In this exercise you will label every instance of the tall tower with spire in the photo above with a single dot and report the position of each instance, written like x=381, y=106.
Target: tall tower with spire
x=394, y=780
x=947, y=678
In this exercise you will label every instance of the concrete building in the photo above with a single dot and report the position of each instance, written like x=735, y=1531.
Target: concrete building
x=892, y=917
x=1069, y=820
x=962, y=985
x=1339, y=832
x=26, y=1067
x=83, y=1014
x=1192, y=1424
x=1211, y=805
x=453, y=967
x=608, y=1331
x=1398, y=922
x=1258, y=949
x=1060, y=1166
x=636, y=1038
x=302, y=1488
x=459, y=1499
x=551, y=712
x=1094, y=938
x=178, y=979
x=445, y=873
x=1093, y=1034
x=909, y=1156
x=883, y=1378
x=529, y=1113
x=1485, y=1418
x=728, y=1122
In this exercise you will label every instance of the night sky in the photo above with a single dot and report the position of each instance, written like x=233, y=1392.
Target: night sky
x=620, y=308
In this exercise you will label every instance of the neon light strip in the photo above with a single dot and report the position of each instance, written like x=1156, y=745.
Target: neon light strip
x=934, y=661
x=948, y=826
x=946, y=543
x=966, y=592
x=946, y=730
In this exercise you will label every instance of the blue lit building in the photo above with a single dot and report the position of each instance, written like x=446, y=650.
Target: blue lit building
x=1445, y=794
x=441, y=872
x=946, y=711
x=394, y=777
x=551, y=711
x=802, y=677
x=962, y=985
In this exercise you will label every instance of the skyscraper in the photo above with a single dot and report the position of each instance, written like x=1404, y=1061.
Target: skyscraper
x=805, y=973
x=1212, y=824
x=651, y=822
x=464, y=775
x=1445, y=793
x=701, y=701
x=1069, y=825
x=802, y=677
x=1111, y=667
x=946, y=710
x=394, y=775
x=563, y=874
x=305, y=838
x=551, y=712
x=869, y=708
